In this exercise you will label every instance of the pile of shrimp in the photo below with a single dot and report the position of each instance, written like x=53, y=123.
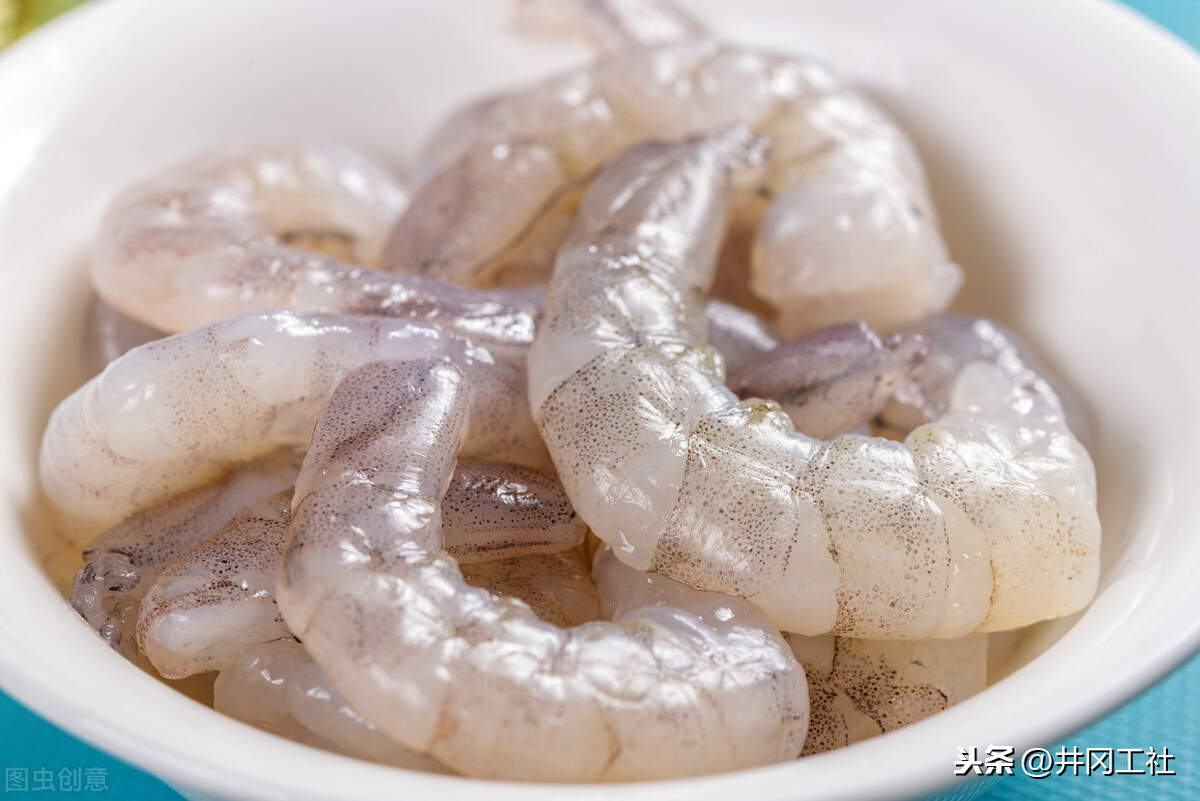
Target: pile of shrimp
x=475, y=473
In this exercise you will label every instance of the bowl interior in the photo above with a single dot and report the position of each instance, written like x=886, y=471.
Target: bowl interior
x=1066, y=191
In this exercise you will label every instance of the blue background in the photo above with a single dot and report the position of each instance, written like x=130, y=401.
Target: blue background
x=1167, y=715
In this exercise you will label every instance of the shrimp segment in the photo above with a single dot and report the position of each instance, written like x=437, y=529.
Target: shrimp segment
x=851, y=233
x=122, y=564
x=212, y=602
x=982, y=520
x=862, y=688
x=278, y=686
x=557, y=587
x=219, y=597
x=230, y=232
x=176, y=413
x=483, y=685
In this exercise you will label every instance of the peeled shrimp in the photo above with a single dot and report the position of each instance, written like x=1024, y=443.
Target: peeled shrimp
x=176, y=413
x=124, y=562
x=240, y=230
x=212, y=602
x=850, y=233
x=984, y=519
x=207, y=606
x=494, y=510
x=739, y=335
x=278, y=686
x=832, y=380
x=482, y=684
x=861, y=688
x=606, y=25
x=557, y=587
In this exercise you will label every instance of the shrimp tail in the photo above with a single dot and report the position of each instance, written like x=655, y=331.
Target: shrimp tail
x=832, y=380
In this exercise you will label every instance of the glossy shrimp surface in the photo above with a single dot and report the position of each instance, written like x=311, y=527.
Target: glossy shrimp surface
x=177, y=413
x=510, y=524
x=955, y=340
x=552, y=461
x=850, y=232
x=484, y=685
x=123, y=563
x=279, y=687
x=984, y=519
x=274, y=227
x=862, y=688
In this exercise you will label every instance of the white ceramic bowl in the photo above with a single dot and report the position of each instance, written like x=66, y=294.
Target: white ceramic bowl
x=1060, y=140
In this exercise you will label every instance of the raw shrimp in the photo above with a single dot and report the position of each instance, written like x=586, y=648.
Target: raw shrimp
x=607, y=25
x=219, y=597
x=958, y=339
x=278, y=686
x=207, y=606
x=860, y=688
x=850, y=233
x=500, y=511
x=832, y=380
x=124, y=562
x=176, y=413
x=738, y=335
x=480, y=683
x=233, y=231
x=557, y=587
x=982, y=520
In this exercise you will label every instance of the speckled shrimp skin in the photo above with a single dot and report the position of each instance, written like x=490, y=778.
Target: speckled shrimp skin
x=494, y=510
x=211, y=603
x=216, y=599
x=851, y=233
x=861, y=688
x=481, y=683
x=122, y=564
x=278, y=686
x=274, y=227
x=982, y=520
x=177, y=413
x=557, y=587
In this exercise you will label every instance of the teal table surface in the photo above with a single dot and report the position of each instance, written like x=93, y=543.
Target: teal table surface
x=40, y=760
